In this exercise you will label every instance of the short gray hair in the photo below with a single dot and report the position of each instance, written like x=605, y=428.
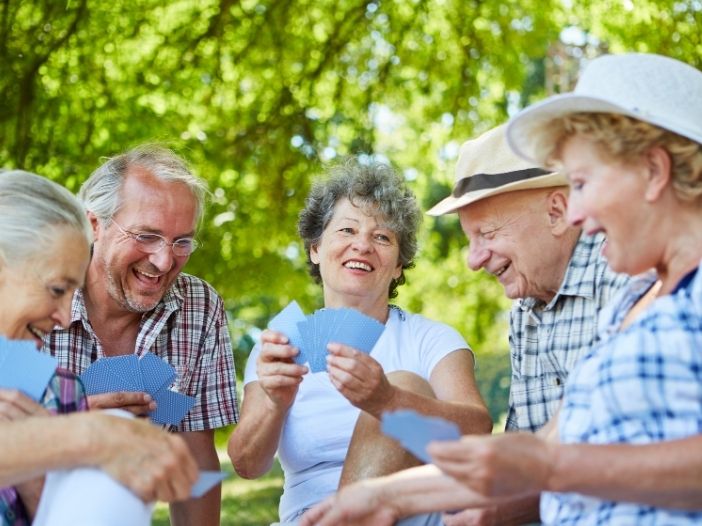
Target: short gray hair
x=31, y=209
x=101, y=193
x=374, y=187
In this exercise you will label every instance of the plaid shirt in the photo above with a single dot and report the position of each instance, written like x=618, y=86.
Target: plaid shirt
x=639, y=385
x=188, y=329
x=64, y=394
x=547, y=340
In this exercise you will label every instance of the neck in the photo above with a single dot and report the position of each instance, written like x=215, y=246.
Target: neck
x=375, y=308
x=682, y=247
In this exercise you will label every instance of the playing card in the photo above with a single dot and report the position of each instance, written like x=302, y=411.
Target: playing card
x=24, y=368
x=127, y=369
x=286, y=322
x=155, y=373
x=171, y=407
x=415, y=431
x=206, y=481
x=306, y=330
x=357, y=330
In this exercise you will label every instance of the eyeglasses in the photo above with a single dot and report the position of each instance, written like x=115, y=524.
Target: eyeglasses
x=153, y=243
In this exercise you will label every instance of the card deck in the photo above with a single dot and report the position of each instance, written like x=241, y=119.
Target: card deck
x=148, y=374
x=311, y=334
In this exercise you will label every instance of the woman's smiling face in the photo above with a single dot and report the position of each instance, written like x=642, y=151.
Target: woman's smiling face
x=358, y=257
x=36, y=294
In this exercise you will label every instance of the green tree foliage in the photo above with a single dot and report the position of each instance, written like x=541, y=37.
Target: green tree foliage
x=258, y=95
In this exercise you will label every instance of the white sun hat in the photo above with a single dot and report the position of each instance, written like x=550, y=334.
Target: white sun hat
x=652, y=88
x=486, y=167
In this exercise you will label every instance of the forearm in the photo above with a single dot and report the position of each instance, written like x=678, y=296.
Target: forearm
x=663, y=474
x=253, y=443
x=33, y=446
x=471, y=418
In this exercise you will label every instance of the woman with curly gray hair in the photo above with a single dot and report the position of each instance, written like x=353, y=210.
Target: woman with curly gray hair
x=359, y=228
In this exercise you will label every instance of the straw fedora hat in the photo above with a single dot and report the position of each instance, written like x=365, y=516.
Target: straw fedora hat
x=487, y=167
x=655, y=89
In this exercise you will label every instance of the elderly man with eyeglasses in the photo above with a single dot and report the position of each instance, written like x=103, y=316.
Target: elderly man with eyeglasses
x=144, y=207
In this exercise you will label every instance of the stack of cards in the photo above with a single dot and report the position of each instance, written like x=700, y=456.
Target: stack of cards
x=150, y=374
x=415, y=431
x=24, y=368
x=311, y=334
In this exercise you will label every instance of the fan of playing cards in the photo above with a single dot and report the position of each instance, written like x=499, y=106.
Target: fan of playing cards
x=150, y=374
x=311, y=334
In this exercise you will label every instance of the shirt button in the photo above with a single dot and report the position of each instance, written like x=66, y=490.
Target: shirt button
x=557, y=381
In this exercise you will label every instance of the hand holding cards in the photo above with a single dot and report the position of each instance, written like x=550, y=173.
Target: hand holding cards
x=150, y=374
x=311, y=334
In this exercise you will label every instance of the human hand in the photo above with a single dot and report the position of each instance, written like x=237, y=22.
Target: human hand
x=278, y=375
x=360, y=378
x=357, y=504
x=152, y=463
x=137, y=403
x=15, y=405
x=504, y=465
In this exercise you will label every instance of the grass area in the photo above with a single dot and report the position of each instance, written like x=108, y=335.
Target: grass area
x=244, y=502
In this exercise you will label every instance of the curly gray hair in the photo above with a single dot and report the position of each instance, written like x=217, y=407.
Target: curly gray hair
x=376, y=188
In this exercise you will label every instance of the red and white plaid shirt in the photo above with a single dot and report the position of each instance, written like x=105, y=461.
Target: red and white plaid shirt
x=188, y=329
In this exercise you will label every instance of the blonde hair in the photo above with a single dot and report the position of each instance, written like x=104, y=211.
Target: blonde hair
x=622, y=138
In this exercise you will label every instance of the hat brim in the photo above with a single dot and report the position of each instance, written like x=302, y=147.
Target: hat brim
x=452, y=204
x=528, y=121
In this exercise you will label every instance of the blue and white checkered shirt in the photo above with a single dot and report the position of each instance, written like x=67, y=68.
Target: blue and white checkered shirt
x=639, y=385
x=547, y=339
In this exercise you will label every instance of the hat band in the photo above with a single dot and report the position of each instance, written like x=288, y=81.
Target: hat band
x=487, y=181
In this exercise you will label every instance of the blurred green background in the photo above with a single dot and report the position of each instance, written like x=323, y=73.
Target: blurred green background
x=260, y=95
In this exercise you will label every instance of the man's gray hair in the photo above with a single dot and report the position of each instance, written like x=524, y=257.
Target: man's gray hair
x=32, y=208
x=374, y=187
x=101, y=193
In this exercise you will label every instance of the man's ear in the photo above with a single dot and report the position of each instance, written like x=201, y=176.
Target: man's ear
x=557, y=207
x=658, y=173
x=94, y=224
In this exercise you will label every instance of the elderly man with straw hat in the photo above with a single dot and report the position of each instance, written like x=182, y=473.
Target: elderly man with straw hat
x=515, y=216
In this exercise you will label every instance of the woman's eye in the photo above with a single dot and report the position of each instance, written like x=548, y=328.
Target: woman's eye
x=346, y=230
x=382, y=238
